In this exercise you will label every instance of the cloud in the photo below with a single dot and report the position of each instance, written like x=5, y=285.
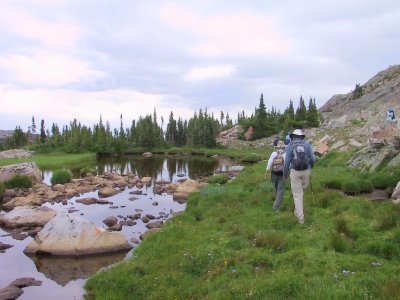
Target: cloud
x=231, y=33
x=47, y=68
x=209, y=72
x=56, y=32
x=62, y=106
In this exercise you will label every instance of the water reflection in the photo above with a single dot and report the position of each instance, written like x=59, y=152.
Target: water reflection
x=65, y=269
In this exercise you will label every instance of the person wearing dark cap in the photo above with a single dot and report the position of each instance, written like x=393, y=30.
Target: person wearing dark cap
x=299, y=161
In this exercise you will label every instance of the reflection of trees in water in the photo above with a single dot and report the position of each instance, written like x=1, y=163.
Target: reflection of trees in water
x=156, y=166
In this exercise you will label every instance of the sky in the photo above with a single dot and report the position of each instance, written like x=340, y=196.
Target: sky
x=67, y=59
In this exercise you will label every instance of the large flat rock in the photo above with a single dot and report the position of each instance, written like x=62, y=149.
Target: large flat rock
x=27, y=216
x=70, y=235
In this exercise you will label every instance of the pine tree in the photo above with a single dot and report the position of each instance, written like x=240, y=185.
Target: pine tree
x=42, y=132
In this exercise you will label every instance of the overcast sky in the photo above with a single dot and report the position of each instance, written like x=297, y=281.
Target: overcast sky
x=66, y=59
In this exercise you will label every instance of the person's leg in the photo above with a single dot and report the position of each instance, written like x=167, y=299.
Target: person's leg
x=297, y=191
x=305, y=178
x=279, y=192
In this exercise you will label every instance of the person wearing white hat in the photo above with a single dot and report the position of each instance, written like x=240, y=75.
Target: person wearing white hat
x=276, y=164
x=299, y=161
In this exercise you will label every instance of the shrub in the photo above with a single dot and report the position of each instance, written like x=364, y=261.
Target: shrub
x=87, y=170
x=219, y=179
x=366, y=186
x=384, y=179
x=351, y=188
x=61, y=176
x=339, y=243
x=19, y=181
x=332, y=184
x=253, y=157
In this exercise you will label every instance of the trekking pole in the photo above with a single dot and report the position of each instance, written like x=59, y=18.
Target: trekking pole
x=313, y=200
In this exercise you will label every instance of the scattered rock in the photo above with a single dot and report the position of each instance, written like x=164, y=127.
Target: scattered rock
x=110, y=221
x=5, y=246
x=30, y=200
x=14, y=289
x=149, y=232
x=88, y=201
x=107, y=192
x=27, y=216
x=155, y=224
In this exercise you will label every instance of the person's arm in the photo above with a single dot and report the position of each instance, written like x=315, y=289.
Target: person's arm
x=288, y=159
x=269, y=163
x=311, y=155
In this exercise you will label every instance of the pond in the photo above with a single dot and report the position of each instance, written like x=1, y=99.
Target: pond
x=64, y=278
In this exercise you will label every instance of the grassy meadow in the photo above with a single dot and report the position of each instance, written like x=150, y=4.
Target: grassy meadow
x=229, y=244
x=53, y=160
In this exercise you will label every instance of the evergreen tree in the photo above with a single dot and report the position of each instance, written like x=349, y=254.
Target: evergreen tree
x=42, y=132
x=171, y=135
x=312, y=114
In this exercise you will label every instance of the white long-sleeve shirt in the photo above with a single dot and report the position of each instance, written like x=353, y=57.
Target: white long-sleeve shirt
x=271, y=159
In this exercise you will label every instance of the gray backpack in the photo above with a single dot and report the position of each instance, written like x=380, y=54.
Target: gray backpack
x=300, y=160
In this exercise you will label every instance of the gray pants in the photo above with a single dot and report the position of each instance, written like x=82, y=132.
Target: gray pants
x=279, y=185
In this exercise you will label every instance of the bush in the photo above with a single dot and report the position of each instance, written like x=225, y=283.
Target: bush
x=219, y=179
x=87, y=170
x=366, y=186
x=253, y=157
x=61, y=176
x=332, y=184
x=19, y=181
x=351, y=188
x=385, y=179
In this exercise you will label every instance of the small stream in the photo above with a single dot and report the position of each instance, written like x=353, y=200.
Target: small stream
x=64, y=278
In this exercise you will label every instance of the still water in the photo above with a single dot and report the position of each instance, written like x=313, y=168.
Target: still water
x=63, y=278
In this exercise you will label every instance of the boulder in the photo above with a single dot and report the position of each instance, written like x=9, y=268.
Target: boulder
x=396, y=192
x=107, y=192
x=321, y=149
x=146, y=180
x=16, y=153
x=29, y=169
x=249, y=133
x=355, y=144
x=30, y=200
x=188, y=186
x=27, y=216
x=67, y=235
x=147, y=154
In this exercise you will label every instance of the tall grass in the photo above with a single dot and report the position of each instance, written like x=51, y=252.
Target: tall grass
x=54, y=160
x=229, y=244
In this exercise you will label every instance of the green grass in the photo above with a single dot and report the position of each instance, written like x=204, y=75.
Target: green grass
x=54, y=160
x=61, y=176
x=229, y=244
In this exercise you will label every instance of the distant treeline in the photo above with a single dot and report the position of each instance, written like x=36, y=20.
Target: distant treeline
x=200, y=131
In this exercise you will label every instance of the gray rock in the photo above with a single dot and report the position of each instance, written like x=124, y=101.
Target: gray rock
x=29, y=169
x=155, y=224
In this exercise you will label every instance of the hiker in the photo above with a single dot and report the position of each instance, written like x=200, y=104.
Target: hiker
x=390, y=118
x=287, y=139
x=276, y=164
x=299, y=160
x=276, y=140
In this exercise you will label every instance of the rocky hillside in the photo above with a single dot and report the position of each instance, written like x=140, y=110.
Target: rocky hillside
x=367, y=105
